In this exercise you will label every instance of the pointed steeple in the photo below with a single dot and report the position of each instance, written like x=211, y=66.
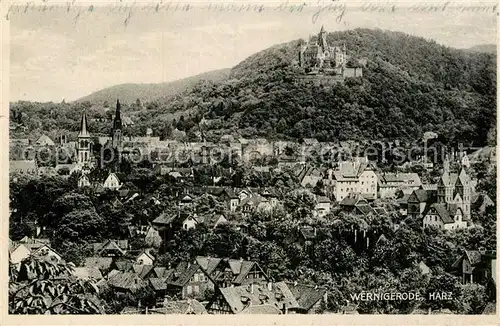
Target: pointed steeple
x=83, y=126
x=322, y=39
x=446, y=166
x=117, y=123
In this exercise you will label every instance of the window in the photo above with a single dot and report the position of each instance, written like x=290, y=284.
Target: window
x=202, y=277
x=196, y=289
x=196, y=278
x=189, y=289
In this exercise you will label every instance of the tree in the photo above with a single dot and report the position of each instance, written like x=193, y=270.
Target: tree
x=442, y=282
x=42, y=287
x=79, y=225
x=66, y=204
x=472, y=299
x=116, y=301
x=143, y=179
x=300, y=204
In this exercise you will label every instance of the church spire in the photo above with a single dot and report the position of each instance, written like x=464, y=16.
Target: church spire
x=117, y=124
x=446, y=166
x=83, y=126
x=322, y=39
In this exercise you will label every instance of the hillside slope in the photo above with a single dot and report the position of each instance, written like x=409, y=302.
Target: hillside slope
x=486, y=48
x=128, y=93
x=410, y=85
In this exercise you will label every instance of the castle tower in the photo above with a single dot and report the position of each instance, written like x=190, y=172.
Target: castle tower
x=83, y=147
x=116, y=135
x=322, y=39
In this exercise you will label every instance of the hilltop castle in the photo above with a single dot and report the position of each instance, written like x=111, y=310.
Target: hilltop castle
x=317, y=56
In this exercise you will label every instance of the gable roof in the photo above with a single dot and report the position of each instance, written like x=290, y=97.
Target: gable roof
x=422, y=196
x=253, y=201
x=45, y=140
x=182, y=274
x=230, y=193
x=22, y=165
x=474, y=256
x=87, y=273
x=239, y=297
x=408, y=178
x=143, y=271
x=323, y=199
x=261, y=309
x=126, y=281
x=208, y=264
x=307, y=296
x=164, y=219
x=424, y=268
x=244, y=268
x=120, y=245
x=441, y=210
x=353, y=199
x=101, y=263
x=431, y=186
x=158, y=283
x=380, y=210
x=365, y=209
x=124, y=265
x=185, y=307
x=146, y=252
x=111, y=176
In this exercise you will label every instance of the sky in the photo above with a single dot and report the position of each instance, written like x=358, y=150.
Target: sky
x=69, y=53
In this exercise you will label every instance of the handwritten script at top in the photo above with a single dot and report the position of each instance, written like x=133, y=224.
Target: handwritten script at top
x=336, y=8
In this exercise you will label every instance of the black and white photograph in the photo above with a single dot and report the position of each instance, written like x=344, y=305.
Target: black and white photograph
x=318, y=157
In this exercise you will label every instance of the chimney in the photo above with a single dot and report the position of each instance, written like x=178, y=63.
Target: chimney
x=315, y=232
x=325, y=297
x=482, y=251
x=269, y=286
x=251, y=288
x=241, y=259
x=189, y=264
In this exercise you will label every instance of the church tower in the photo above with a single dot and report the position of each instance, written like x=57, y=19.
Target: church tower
x=444, y=187
x=463, y=188
x=83, y=148
x=116, y=135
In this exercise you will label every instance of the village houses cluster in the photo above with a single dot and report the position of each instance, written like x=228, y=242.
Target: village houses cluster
x=353, y=186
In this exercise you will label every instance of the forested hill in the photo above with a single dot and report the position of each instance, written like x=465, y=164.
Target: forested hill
x=488, y=48
x=129, y=93
x=410, y=85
